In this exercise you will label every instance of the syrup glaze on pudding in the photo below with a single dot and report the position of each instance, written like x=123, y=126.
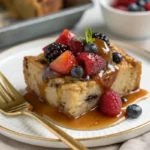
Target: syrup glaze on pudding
x=91, y=120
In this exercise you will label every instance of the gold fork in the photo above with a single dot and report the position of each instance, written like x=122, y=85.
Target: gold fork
x=12, y=104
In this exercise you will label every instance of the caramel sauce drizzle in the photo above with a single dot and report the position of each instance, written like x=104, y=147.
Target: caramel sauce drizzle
x=103, y=49
x=90, y=121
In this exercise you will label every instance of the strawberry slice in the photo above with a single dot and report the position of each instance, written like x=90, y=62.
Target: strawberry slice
x=64, y=63
x=65, y=37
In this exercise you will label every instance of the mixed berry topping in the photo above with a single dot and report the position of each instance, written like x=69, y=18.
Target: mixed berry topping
x=101, y=36
x=133, y=111
x=80, y=56
x=132, y=5
x=91, y=53
x=54, y=50
x=117, y=57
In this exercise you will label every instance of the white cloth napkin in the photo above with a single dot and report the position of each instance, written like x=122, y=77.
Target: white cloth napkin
x=139, y=143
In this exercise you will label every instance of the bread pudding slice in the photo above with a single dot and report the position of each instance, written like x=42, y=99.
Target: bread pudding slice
x=75, y=97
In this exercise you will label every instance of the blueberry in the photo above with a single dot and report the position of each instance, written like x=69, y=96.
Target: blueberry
x=134, y=111
x=91, y=47
x=133, y=7
x=141, y=2
x=117, y=57
x=77, y=72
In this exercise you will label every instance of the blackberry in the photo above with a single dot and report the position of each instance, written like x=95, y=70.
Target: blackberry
x=54, y=50
x=102, y=37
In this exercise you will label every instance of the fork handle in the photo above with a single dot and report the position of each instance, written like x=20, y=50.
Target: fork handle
x=70, y=141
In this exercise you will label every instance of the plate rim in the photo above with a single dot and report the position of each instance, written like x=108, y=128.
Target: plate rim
x=145, y=51
x=80, y=139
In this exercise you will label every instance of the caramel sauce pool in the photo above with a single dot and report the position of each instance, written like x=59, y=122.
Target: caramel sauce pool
x=89, y=121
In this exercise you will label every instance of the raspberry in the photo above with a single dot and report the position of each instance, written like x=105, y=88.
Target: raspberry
x=91, y=62
x=110, y=103
x=54, y=50
x=147, y=6
x=75, y=46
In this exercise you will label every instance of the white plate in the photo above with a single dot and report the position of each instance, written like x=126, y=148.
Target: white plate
x=27, y=130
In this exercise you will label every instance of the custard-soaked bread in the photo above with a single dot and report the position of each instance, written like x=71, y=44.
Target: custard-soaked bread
x=129, y=74
x=73, y=96
x=26, y=9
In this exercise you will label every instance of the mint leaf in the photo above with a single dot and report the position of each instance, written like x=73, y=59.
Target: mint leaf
x=88, y=36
